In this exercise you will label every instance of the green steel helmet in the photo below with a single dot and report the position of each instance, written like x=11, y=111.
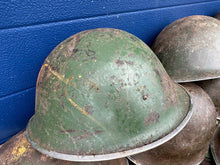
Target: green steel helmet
x=102, y=94
x=189, y=48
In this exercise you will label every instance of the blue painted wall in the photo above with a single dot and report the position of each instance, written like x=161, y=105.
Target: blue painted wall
x=29, y=30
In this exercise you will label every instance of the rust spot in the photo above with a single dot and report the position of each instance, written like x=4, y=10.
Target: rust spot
x=98, y=131
x=43, y=158
x=137, y=89
x=91, y=85
x=119, y=62
x=72, y=84
x=130, y=55
x=94, y=58
x=86, y=134
x=136, y=74
x=129, y=62
x=62, y=104
x=106, y=104
x=68, y=130
x=88, y=109
x=153, y=117
x=112, y=78
x=145, y=97
x=133, y=38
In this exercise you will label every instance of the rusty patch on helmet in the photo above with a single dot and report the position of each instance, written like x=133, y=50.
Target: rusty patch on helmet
x=129, y=62
x=133, y=38
x=106, y=104
x=88, y=109
x=153, y=117
x=68, y=130
x=87, y=134
x=119, y=62
x=92, y=85
x=15, y=149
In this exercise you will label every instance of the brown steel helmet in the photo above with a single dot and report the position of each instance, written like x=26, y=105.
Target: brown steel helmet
x=212, y=87
x=189, y=48
x=217, y=16
x=18, y=151
x=215, y=145
x=190, y=146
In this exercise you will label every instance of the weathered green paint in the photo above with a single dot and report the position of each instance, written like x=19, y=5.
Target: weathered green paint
x=18, y=151
x=100, y=95
x=189, y=48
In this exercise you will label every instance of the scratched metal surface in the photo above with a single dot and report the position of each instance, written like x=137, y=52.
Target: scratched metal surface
x=189, y=48
x=212, y=87
x=103, y=91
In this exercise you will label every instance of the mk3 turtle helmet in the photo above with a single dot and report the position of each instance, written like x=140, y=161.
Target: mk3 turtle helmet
x=103, y=94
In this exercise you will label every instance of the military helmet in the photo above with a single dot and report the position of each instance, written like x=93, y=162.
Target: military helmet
x=215, y=146
x=190, y=146
x=189, y=48
x=217, y=16
x=212, y=87
x=18, y=151
x=102, y=94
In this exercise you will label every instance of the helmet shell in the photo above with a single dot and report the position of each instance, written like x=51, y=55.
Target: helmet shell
x=217, y=16
x=212, y=87
x=189, y=48
x=191, y=144
x=18, y=151
x=215, y=146
x=102, y=94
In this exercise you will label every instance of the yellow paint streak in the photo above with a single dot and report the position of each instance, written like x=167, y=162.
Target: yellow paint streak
x=20, y=149
x=79, y=108
x=59, y=76
x=61, y=47
x=83, y=111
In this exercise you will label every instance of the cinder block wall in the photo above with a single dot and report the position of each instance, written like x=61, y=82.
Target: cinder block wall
x=29, y=30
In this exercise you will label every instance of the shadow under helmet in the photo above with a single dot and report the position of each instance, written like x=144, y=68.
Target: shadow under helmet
x=189, y=48
x=102, y=94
